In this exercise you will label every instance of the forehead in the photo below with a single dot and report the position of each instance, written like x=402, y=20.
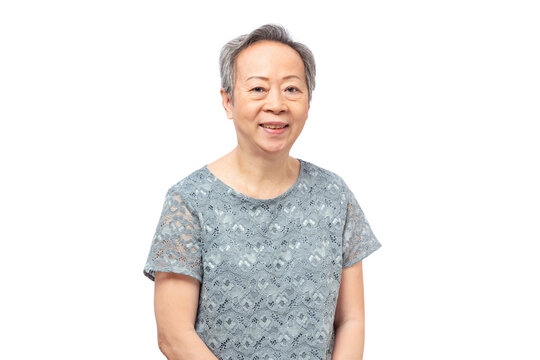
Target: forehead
x=268, y=59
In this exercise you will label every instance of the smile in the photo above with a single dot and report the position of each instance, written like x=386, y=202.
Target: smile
x=274, y=126
x=274, y=129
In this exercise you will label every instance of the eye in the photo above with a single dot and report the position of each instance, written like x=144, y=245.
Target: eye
x=292, y=89
x=257, y=89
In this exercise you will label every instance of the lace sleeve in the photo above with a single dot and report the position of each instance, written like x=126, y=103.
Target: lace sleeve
x=358, y=238
x=176, y=246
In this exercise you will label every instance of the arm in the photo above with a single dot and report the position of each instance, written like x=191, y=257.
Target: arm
x=176, y=298
x=349, y=318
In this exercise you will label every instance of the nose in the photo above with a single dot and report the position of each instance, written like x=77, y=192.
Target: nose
x=275, y=102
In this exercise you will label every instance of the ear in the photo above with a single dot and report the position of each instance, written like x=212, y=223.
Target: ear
x=227, y=103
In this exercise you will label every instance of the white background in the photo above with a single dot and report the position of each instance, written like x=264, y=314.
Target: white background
x=426, y=108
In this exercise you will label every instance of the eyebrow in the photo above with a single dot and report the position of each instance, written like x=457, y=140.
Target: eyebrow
x=265, y=78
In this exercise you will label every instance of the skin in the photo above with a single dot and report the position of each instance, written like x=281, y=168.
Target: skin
x=176, y=299
x=349, y=320
x=270, y=86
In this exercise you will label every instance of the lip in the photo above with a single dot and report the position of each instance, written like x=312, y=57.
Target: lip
x=274, y=131
x=273, y=123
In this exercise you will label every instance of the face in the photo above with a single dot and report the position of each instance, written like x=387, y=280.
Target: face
x=270, y=91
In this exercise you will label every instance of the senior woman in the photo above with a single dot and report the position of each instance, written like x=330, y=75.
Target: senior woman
x=258, y=255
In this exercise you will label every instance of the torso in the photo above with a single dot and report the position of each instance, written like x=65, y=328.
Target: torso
x=271, y=267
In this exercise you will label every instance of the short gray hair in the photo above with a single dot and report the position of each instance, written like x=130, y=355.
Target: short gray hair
x=270, y=32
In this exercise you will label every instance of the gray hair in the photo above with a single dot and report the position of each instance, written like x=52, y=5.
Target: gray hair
x=270, y=32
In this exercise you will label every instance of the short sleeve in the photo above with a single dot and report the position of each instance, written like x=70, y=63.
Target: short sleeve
x=358, y=238
x=176, y=246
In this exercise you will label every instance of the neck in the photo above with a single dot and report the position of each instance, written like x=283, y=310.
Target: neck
x=264, y=170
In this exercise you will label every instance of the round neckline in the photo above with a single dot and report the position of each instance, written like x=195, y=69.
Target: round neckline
x=250, y=198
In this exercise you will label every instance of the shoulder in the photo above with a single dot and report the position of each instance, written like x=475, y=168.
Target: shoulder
x=190, y=188
x=324, y=178
x=322, y=175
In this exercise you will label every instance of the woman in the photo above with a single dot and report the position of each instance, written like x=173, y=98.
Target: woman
x=259, y=254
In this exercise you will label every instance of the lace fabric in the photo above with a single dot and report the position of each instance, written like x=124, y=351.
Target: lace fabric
x=358, y=238
x=270, y=269
x=177, y=241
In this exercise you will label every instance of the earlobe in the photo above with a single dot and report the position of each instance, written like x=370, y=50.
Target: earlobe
x=226, y=102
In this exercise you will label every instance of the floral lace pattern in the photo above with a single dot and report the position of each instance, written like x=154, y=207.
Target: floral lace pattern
x=270, y=269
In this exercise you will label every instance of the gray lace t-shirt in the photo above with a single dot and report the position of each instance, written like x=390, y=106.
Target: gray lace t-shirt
x=270, y=269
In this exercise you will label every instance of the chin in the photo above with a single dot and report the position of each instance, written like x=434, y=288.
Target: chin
x=274, y=149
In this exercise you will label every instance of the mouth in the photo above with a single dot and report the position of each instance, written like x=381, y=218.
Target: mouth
x=274, y=128
x=273, y=125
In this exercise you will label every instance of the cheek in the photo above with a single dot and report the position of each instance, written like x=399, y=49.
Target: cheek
x=245, y=112
x=300, y=111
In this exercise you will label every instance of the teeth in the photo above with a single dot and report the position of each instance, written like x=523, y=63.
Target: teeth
x=269, y=126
